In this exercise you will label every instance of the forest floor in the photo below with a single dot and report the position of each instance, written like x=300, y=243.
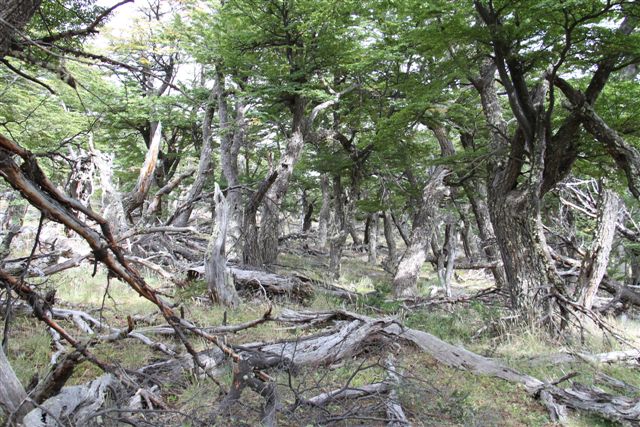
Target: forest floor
x=430, y=393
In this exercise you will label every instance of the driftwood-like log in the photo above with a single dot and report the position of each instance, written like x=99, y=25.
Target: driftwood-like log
x=273, y=285
x=75, y=405
x=349, y=338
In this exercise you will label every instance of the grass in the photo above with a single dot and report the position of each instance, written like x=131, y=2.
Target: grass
x=431, y=394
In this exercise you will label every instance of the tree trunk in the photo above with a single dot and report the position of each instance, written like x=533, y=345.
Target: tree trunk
x=406, y=277
x=339, y=228
x=111, y=200
x=373, y=239
x=13, y=398
x=251, y=252
x=325, y=212
x=80, y=182
x=221, y=287
x=205, y=165
x=269, y=224
x=11, y=224
x=594, y=264
x=477, y=195
x=307, y=212
x=14, y=15
x=391, y=242
x=136, y=197
x=450, y=247
x=231, y=140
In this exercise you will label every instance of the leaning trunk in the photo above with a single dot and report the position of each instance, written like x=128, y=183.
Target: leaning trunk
x=406, y=277
x=269, y=224
x=13, y=398
x=594, y=265
x=136, y=197
x=181, y=218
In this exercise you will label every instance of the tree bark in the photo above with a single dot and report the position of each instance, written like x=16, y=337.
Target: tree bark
x=112, y=207
x=231, y=141
x=13, y=398
x=136, y=197
x=221, y=288
x=269, y=224
x=391, y=241
x=373, y=239
x=450, y=248
x=406, y=277
x=325, y=212
x=594, y=264
x=307, y=212
x=14, y=15
x=11, y=224
x=205, y=165
x=339, y=228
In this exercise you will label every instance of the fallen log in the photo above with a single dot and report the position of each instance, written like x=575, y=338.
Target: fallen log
x=75, y=405
x=356, y=331
x=273, y=285
x=626, y=356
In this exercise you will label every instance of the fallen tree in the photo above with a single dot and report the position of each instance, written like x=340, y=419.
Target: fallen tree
x=350, y=334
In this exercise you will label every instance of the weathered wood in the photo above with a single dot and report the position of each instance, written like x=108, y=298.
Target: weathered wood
x=220, y=287
x=594, y=265
x=13, y=398
x=348, y=339
x=273, y=284
x=76, y=405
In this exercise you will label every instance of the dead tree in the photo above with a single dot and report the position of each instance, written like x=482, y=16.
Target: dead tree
x=220, y=286
x=594, y=264
x=136, y=197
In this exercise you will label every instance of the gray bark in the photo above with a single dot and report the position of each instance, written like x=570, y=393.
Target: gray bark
x=220, y=286
x=205, y=165
x=231, y=141
x=112, y=206
x=11, y=224
x=406, y=277
x=13, y=398
x=594, y=264
x=373, y=239
x=136, y=197
x=339, y=228
x=450, y=247
x=325, y=212
x=269, y=224
x=391, y=241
